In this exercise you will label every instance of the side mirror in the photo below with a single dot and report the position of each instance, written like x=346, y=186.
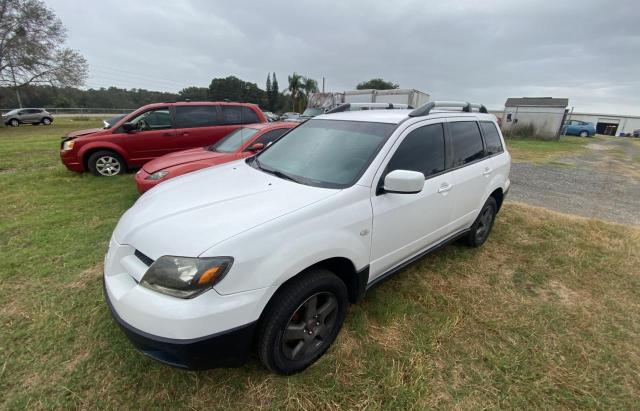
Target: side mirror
x=256, y=147
x=404, y=182
x=129, y=127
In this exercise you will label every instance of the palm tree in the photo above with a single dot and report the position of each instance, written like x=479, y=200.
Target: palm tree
x=296, y=84
x=310, y=86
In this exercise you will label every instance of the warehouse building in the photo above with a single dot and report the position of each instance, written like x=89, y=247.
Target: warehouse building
x=541, y=117
x=610, y=124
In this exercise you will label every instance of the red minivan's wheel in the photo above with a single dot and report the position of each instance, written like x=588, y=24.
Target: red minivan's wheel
x=106, y=164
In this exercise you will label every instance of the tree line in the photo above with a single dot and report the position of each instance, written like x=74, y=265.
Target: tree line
x=231, y=88
x=293, y=98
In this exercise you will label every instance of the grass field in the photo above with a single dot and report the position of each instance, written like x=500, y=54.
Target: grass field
x=545, y=315
x=542, y=151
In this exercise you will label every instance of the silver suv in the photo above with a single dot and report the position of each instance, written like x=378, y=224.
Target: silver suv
x=27, y=116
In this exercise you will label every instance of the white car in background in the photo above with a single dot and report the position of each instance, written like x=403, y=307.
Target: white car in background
x=272, y=249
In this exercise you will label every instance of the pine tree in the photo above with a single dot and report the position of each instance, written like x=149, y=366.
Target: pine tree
x=275, y=93
x=268, y=89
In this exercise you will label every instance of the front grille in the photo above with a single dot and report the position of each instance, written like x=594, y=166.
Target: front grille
x=147, y=260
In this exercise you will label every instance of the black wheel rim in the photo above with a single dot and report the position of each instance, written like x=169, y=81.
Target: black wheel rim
x=484, y=223
x=310, y=327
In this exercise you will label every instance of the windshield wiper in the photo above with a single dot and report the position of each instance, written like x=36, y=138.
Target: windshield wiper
x=276, y=173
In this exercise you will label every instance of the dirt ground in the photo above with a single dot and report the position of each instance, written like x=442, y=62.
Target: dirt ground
x=602, y=182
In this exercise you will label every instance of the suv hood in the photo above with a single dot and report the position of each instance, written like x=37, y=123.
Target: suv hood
x=186, y=156
x=80, y=133
x=189, y=214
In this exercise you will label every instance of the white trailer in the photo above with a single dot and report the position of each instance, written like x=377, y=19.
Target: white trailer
x=323, y=102
x=411, y=97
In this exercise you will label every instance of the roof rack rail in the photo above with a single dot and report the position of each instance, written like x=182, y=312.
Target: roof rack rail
x=379, y=106
x=467, y=107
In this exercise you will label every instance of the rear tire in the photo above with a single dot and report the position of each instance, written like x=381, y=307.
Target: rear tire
x=584, y=134
x=481, y=228
x=302, y=322
x=14, y=123
x=106, y=164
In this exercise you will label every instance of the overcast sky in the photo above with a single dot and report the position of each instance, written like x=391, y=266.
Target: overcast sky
x=480, y=51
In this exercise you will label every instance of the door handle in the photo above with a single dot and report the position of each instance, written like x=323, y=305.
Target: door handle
x=444, y=188
x=167, y=134
x=487, y=171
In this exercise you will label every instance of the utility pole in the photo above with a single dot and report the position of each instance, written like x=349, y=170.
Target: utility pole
x=323, y=84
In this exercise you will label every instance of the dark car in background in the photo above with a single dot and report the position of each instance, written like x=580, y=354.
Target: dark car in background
x=27, y=116
x=110, y=122
x=153, y=131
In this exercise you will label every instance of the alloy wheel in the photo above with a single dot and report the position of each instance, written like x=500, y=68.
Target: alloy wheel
x=484, y=223
x=108, y=166
x=309, y=327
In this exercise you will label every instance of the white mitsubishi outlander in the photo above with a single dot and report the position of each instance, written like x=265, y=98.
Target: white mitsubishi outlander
x=267, y=253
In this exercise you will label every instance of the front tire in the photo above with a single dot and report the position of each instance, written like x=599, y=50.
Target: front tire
x=584, y=134
x=302, y=322
x=481, y=228
x=14, y=123
x=106, y=164
x=46, y=121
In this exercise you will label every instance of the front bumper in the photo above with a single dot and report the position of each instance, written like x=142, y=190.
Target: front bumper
x=226, y=349
x=70, y=160
x=206, y=331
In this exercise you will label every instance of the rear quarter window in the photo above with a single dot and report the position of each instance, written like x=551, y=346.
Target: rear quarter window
x=491, y=138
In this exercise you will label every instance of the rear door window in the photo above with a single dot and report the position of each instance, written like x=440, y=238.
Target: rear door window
x=466, y=142
x=238, y=115
x=196, y=116
x=421, y=150
x=491, y=138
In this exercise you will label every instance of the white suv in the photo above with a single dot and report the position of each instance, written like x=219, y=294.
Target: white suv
x=268, y=252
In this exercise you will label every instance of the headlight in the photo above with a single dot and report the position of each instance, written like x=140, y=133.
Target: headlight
x=157, y=175
x=68, y=145
x=185, y=277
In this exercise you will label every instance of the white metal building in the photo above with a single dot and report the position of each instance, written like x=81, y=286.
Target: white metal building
x=611, y=124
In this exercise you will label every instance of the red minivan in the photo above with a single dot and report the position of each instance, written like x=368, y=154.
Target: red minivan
x=153, y=131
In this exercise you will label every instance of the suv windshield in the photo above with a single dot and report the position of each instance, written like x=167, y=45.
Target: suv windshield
x=233, y=141
x=325, y=153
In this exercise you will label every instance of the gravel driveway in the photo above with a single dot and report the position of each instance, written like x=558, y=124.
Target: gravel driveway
x=602, y=182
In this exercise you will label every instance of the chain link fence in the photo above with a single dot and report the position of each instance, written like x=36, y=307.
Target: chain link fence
x=79, y=111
